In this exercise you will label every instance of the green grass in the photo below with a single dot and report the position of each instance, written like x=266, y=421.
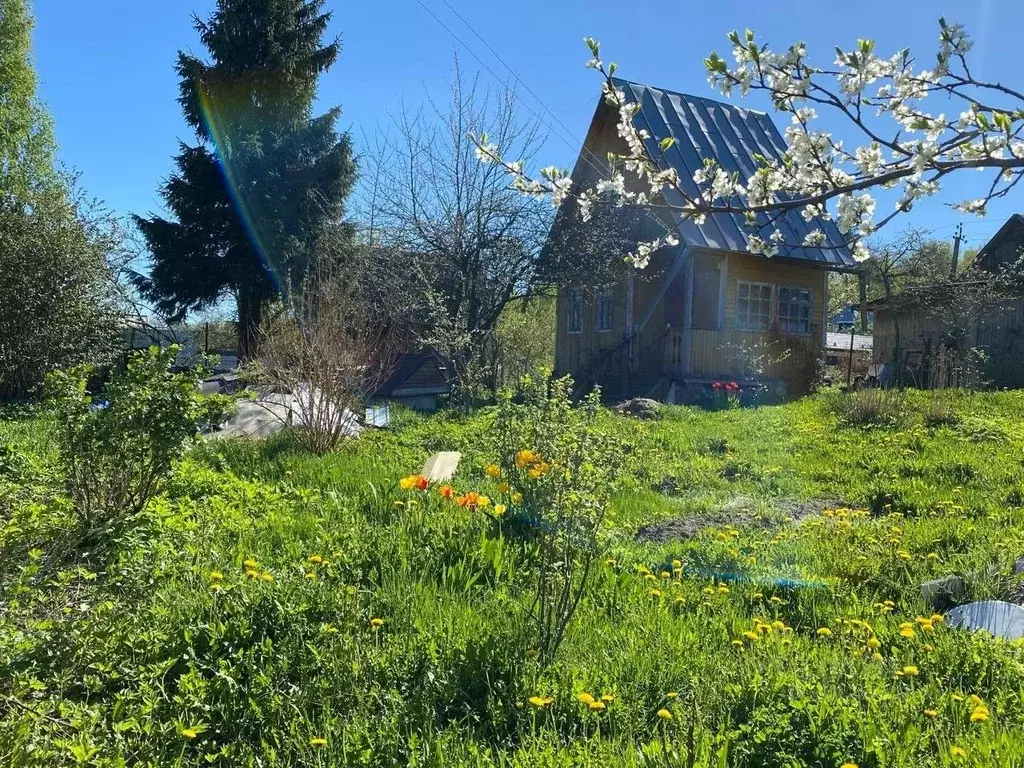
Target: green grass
x=118, y=660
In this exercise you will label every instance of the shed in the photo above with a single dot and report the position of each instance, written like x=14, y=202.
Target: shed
x=418, y=381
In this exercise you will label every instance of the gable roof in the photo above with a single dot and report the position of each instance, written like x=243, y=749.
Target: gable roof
x=841, y=341
x=1008, y=242
x=732, y=136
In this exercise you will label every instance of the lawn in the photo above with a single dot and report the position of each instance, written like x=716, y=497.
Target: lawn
x=758, y=602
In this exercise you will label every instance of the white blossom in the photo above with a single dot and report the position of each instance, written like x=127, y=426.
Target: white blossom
x=814, y=238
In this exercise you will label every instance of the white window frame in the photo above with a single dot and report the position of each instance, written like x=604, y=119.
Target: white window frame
x=574, y=311
x=605, y=314
x=799, y=319
x=747, y=326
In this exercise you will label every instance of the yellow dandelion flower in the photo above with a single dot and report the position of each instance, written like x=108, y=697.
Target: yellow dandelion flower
x=737, y=643
x=493, y=470
x=751, y=636
x=927, y=626
x=937, y=618
x=775, y=600
x=957, y=752
x=906, y=631
x=189, y=733
x=483, y=501
x=251, y=574
x=584, y=698
x=849, y=765
x=671, y=695
x=315, y=559
x=310, y=576
x=975, y=700
x=980, y=715
x=874, y=643
x=216, y=575
x=677, y=564
x=607, y=698
x=318, y=742
x=757, y=595
x=666, y=575
x=664, y=714
x=215, y=587
x=932, y=713
x=824, y=632
x=911, y=671
x=596, y=706
x=250, y=564
x=376, y=623
x=267, y=577
x=540, y=701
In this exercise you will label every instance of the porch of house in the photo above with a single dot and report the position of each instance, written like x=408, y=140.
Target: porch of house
x=695, y=358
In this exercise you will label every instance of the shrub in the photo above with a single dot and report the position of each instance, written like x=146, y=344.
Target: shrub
x=869, y=406
x=564, y=468
x=116, y=450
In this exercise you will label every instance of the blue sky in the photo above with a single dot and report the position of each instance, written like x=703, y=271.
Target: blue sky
x=106, y=67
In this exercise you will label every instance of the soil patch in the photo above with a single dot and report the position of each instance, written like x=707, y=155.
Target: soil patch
x=739, y=512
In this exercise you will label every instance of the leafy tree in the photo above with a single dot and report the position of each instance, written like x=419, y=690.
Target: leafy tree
x=26, y=135
x=268, y=178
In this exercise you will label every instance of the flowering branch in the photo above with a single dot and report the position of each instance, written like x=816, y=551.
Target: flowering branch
x=907, y=148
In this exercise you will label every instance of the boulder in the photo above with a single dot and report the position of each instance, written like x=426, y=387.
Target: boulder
x=942, y=593
x=640, y=408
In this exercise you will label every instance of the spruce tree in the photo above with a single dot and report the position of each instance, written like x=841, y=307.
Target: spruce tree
x=267, y=178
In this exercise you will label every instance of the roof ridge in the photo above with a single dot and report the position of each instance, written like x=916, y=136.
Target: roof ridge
x=731, y=105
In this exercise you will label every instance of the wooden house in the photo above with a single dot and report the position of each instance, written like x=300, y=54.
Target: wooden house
x=418, y=380
x=707, y=309
x=965, y=331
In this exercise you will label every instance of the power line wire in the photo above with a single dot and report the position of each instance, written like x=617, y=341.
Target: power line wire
x=493, y=74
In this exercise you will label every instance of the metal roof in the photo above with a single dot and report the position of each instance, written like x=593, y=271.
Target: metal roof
x=732, y=136
x=861, y=343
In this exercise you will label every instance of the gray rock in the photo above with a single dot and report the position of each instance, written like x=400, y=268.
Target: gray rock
x=441, y=466
x=942, y=593
x=998, y=618
x=640, y=407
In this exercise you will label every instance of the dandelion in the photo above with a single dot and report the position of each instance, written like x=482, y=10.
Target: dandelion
x=723, y=590
x=251, y=574
x=376, y=623
x=666, y=575
x=849, y=765
x=655, y=593
x=607, y=698
x=757, y=595
x=267, y=577
x=874, y=643
x=315, y=559
x=318, y=742
x=310, y=576
x=911, y=671
x=493, y=470
x=957, y=752
x=737, y=643
x=775, y=600
x=215, y=587
x=824, y=632
x=751, y=636
x=677, y=565
x=932, y=713
x=216, y=575
x=778, y=626
x=596, y=706
x=975, y=700
x=585, y=698
x=906, y=631
x=483, y=501
x=980, y=715
x=250, y=564
x=664, y=714
x=927, y=626
x=189, y=733
x=540, y=701
x=937, y=618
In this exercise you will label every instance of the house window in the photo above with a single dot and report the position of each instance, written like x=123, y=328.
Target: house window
x=605, y=311
x=794, y=309
x=574, y=317
x=753, y=306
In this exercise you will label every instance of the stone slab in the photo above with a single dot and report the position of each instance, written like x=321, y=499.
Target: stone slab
x=441, y=466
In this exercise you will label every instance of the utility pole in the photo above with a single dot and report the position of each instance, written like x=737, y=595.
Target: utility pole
x=956, y=250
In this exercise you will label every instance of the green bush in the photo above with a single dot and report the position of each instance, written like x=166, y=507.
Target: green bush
x=116, y=450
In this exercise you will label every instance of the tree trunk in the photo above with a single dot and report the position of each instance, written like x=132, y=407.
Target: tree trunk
x=250, y=313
